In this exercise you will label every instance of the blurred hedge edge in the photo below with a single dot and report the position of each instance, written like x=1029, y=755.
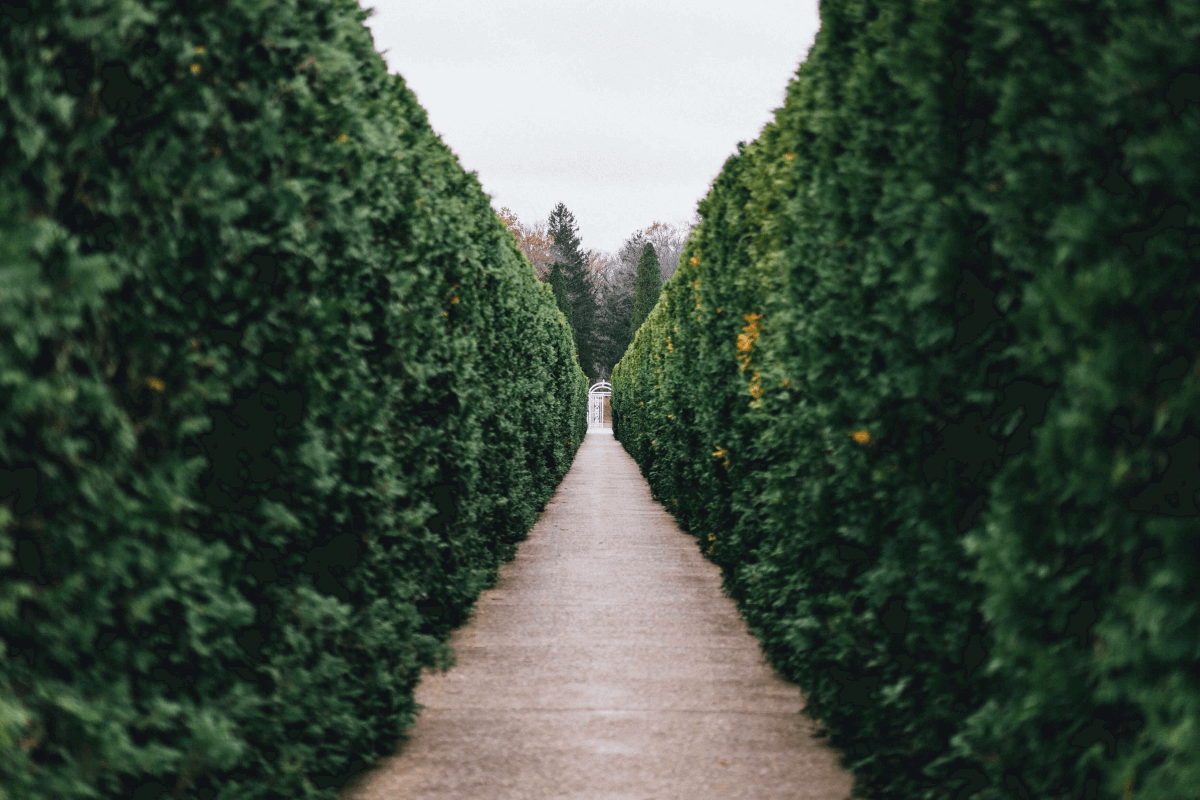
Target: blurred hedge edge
x=927, y=387
x=278, y=393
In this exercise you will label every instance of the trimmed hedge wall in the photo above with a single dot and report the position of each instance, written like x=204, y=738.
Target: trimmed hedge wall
x=278, y=393
x=927, y=388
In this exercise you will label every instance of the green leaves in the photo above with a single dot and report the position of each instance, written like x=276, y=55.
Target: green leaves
x=273, y=405
x=951, y=439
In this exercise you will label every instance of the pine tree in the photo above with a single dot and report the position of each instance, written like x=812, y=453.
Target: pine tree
x=572, y=261
x=558, y=284
x=649, y=284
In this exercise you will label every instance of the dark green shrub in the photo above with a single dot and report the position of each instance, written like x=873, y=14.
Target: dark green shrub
x=279, y=393
x=924, y=387
x=1088, y=551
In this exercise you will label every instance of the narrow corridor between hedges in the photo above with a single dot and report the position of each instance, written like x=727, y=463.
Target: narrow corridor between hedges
x=607, y=663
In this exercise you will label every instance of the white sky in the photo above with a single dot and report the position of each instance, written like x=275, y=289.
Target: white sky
x=624, y=110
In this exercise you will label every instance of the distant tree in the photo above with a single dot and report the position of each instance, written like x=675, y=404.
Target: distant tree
x=614, y=310
x=668, y=240
x=603, y=326
x=615, y=278
x=649, y=284
x=533, y=239
x=630, y=254
x=570, y=258
x=598, y=265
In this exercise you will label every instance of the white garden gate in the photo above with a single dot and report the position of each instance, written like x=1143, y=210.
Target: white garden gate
x=596, y=395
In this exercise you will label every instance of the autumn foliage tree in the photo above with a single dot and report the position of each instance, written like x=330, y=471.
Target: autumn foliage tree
x=533, y=239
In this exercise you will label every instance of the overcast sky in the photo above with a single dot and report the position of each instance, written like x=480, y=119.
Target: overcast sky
x=624, y=110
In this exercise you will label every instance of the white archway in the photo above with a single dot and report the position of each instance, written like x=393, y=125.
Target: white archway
x=596, y=395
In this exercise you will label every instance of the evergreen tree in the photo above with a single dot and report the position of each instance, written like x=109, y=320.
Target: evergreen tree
x=572, y=261
x=649, y=284
x=558, y=284
x=614, y=310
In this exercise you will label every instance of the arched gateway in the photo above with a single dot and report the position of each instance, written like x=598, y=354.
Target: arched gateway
x=597, y=396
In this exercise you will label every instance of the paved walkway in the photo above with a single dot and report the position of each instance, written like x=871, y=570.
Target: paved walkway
x=606, y=664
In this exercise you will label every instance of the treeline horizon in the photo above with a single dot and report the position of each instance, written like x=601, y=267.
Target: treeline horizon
x=605, y=296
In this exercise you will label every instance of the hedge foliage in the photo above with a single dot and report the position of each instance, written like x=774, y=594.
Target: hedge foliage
x=278, y=393
x=927, y=388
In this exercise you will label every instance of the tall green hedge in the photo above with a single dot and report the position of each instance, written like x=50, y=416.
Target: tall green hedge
x=278, y=393
x=927, y=388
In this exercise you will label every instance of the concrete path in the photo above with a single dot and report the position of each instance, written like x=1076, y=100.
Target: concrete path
x=606, y=664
